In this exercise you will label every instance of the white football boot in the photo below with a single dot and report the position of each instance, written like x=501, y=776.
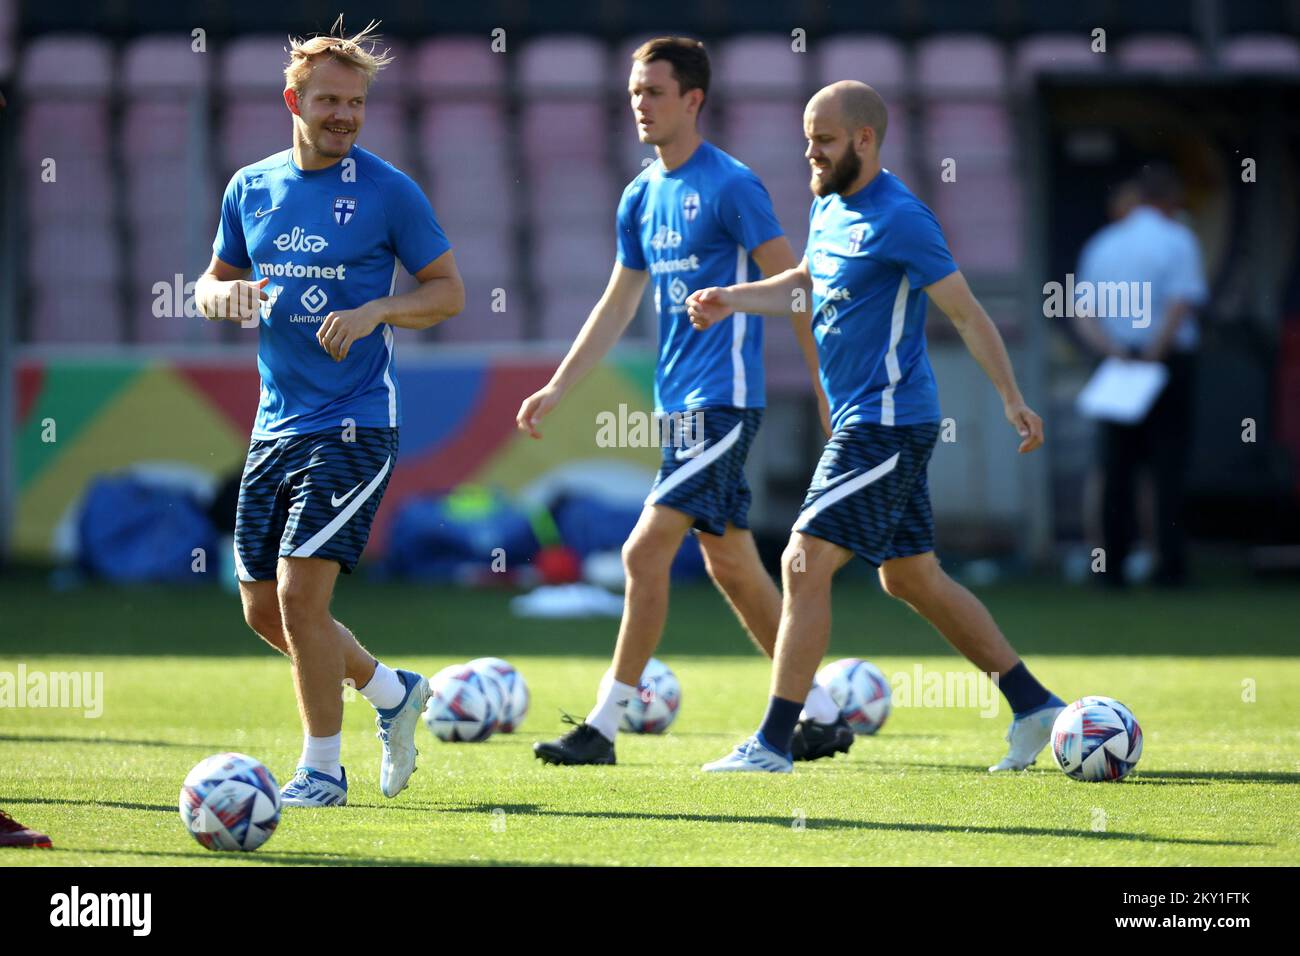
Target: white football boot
x=1028, y=735
x=397, y=733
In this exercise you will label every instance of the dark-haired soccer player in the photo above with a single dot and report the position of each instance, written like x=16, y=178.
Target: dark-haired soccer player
x=873, y=249
x=321, y=227
x=694, y=218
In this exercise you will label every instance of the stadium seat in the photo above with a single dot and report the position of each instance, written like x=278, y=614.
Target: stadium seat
x=478, y=323
x=981, y=218
x=67, y=63
x=386, y=132
x=575, y=259
x=581, y=193
x=968, y=132
x=76, y=312
x=879, y=61
x=563, y=311
x=960, y=65
x=163, y=63
x=1161, y=52
x=758, y=63
x=457, y=64
x=88, y=244
x=1054, y=53
x=250, y=130
x=562, y=64
x=1261, y=52
x=252, y=66
x=556, y=131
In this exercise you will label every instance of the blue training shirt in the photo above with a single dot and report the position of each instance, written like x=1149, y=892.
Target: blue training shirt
x=870, y=255
x=694, y=227
x=328, y=239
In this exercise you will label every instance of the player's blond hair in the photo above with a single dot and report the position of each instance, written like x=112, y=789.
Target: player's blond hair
x=304, y=54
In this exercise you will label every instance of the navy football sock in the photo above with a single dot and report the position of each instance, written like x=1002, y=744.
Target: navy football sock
x=777, y=728
x=1022, y=690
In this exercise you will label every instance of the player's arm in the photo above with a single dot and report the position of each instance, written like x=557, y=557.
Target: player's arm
x=775, y=257
x=772, y=296
x=224, y=292
x=954, y=297
x=439, y=296
x=608, y=320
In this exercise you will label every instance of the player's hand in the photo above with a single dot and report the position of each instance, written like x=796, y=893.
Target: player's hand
x=238, y=300
x=1027, y=424
x=534, y=408
x=708, y=306
x=340, y=329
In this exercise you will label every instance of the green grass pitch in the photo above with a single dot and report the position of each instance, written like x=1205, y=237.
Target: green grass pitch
x=1212, y=676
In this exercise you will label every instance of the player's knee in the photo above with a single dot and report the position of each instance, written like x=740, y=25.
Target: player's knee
x=300, y=608
x=723, y=566
x=905, y=583
x=644, y=556
x=264, y=620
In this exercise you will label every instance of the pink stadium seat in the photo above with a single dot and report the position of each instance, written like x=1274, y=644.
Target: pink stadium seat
x=385, y=133
x=487, y=255
x=65, y=63
x=759, y=63
x=560, y=132
x=457, y=65
x=478, y=195
x=168, y=195
x=250, y=131
x=253, y=66
x=148, y=328
x=577, y=260
x=767, y=128
x=77, y=195
x=76, y=312
x=551, y=64
x=975, y=132
x=579, y=193
x=1261, y=52
x=981, y=218
x=563, y=312
x=88, y=244
x=65, y=131
x=478, y=323
x=1166, y=53
x=160, y=128
x=163, y=62
x=879, y=61
x=963, y=65
x=1052, y=53
x=466, y=133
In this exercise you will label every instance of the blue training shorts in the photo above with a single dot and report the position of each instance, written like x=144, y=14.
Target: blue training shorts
x=704, y=475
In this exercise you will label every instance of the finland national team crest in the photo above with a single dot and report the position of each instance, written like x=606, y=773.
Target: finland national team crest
x=343, y=209
x=857, y=236
x=691, y=206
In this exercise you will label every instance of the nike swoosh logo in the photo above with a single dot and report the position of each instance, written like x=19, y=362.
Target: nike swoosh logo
x=691, y=451
x=264, y=212
x=835, y=481
x=335, y=500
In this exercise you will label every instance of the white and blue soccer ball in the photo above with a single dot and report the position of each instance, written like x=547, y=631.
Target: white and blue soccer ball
x=514, y=691
x=1096, y=738
x=860, y=691
x=464, y=704
x=230, y=802
x=658, y=698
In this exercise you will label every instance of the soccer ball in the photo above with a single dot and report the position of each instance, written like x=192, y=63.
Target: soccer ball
x=464, y=704
x=514, y=691
x=1096, y=738
x=658, y=698
x=860, y=691
x=230, y=802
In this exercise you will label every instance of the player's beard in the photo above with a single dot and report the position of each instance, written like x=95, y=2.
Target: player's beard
x=842, y=174
x=324, y=136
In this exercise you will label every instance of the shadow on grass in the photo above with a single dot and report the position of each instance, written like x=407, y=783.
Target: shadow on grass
x=115, y=741
x=1169, y=777
x=815, y=823
x=299, y=859
x=114, y=804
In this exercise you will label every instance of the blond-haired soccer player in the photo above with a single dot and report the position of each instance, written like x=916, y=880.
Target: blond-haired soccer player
x=321, y=227
x=693, y=218
x=875, y=254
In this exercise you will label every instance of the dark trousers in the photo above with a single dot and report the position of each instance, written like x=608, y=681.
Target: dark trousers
x=1162, y=442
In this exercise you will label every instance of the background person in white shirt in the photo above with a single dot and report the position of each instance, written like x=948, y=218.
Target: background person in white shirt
x=1148, y=245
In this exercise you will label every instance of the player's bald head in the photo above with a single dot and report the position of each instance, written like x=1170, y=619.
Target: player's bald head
x=851, y=105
